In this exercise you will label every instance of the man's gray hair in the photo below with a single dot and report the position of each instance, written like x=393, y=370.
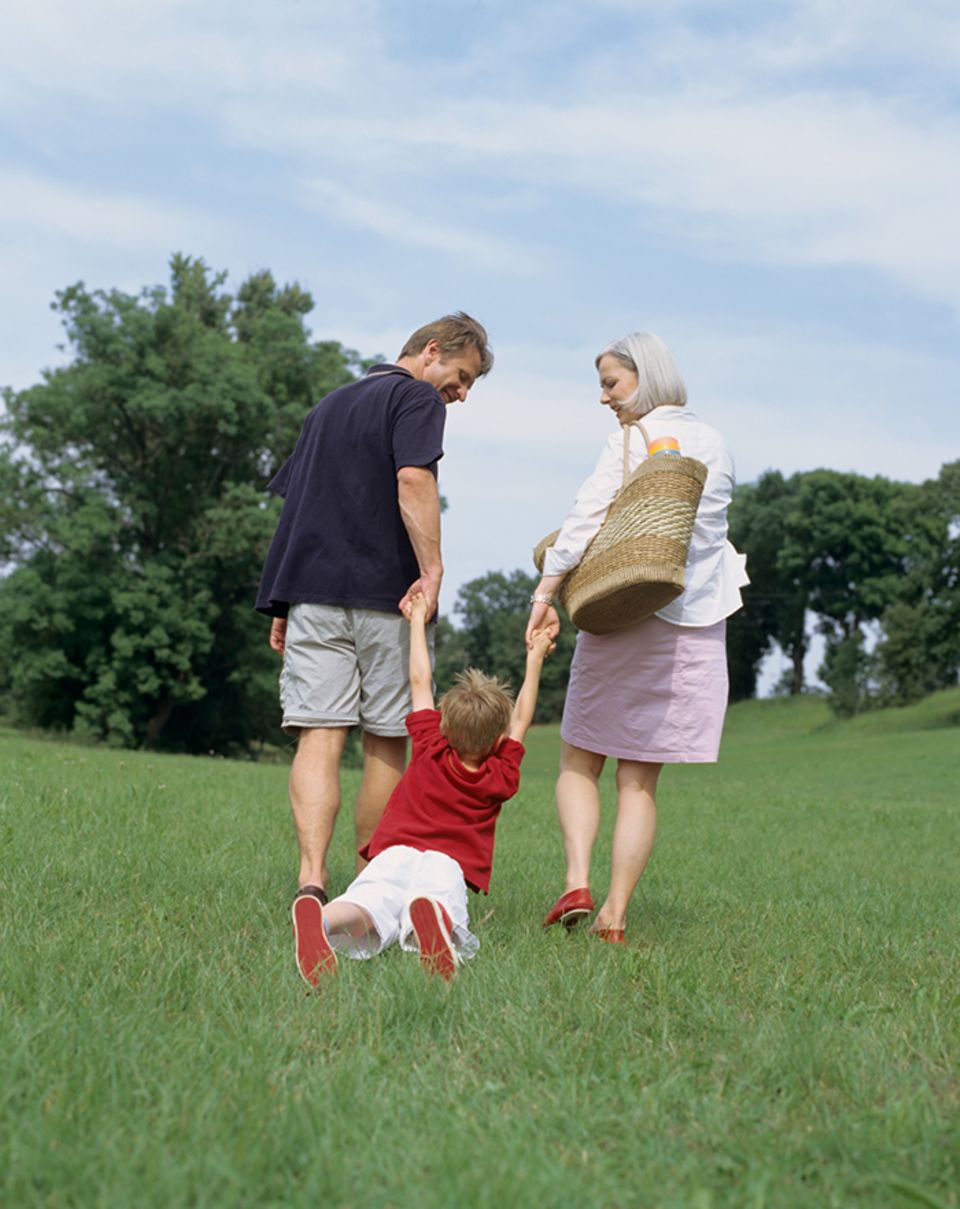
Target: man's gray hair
x=658, y=380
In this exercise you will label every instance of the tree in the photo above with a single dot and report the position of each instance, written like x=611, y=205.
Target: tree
x=494, y=610
x=844, y=542
x=134, y=515
x=846, y=671
x=774, y=603
x=840, y=546
x=920, y=650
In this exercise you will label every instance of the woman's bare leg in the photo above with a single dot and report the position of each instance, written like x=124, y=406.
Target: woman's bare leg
x=633, y=837
x=578, y=809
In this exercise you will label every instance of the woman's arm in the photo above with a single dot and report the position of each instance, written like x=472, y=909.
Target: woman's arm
x=590, y=508
x=542, y=613
x=578, y=530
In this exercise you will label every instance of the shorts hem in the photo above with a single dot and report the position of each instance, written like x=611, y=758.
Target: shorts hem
x=292, y=725
x=382, y=733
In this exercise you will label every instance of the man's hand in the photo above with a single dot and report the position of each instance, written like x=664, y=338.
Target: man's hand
x=428, y=587
x=278, y=634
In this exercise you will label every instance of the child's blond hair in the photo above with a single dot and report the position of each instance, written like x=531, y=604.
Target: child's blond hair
x=475, y=712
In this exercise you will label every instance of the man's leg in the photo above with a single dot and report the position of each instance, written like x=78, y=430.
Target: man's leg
x=383, y=763
x=315, y=797
x=383, y=655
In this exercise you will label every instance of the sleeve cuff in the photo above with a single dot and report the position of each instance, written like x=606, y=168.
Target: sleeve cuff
x=557, y=563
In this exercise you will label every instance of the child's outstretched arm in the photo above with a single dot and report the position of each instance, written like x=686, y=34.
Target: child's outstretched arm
x=421, y=673
x=541, y=644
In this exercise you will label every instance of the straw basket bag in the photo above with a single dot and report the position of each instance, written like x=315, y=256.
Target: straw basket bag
x=635, y=563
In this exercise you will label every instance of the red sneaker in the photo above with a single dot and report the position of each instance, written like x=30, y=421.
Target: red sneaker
x=570, y=908
x=434, y=932
x=315, y=957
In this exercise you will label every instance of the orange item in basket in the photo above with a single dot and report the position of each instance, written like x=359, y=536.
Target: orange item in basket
x=664, y=445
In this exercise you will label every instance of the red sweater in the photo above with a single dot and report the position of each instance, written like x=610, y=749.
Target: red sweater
x=442, y=806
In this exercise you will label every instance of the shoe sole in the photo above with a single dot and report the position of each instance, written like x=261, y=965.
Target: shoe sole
x=437, y=955
x=315, y=958
x=570, y=919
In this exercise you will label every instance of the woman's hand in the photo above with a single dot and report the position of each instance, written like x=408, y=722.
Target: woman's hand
x=542, y=613
x=542, y=617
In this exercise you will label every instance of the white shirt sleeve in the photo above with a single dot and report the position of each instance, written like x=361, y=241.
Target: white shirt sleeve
x=590, y=508
x=715, y=572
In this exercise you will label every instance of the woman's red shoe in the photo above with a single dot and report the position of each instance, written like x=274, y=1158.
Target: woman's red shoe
x=613, y=936
x=570, y=908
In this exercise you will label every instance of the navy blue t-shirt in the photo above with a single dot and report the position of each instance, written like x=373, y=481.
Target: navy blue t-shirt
x=341, y=539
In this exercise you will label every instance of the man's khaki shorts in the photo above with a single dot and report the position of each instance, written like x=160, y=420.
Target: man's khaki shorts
x=346, y=667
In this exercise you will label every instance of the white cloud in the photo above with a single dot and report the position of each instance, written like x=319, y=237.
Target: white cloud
x=818, y=178
x=747, y=137
x=28, y=200
x=804, y=134
x=788, y=398
x=367, y=211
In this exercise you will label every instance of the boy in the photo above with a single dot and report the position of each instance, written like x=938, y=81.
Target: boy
x=436, y=834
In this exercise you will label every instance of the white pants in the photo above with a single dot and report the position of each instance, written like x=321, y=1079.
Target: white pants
x=385, y=890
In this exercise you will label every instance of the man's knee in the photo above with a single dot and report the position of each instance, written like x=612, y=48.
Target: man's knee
x=385, y=749
x=322, y=742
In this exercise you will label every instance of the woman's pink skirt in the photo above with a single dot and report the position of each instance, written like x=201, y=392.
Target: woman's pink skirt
x=655, y=693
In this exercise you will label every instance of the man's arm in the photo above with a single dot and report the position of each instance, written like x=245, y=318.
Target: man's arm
x=419, y=502
x=540, y=647
x=421, y=673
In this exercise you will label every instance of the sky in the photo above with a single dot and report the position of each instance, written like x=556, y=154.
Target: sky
x=772, y=187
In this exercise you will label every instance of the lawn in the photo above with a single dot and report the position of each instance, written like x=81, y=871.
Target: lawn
x=781, y=1030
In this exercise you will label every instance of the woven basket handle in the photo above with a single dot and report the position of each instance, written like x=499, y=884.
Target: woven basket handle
x=626, y=446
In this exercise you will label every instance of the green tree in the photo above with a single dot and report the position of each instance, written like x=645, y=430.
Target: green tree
x=133, y=511
x=846, y=671
x=858, y=546
x=774, y=602
x=493, y=610
x=920, y=649
x=845, y=544
x=838, y=546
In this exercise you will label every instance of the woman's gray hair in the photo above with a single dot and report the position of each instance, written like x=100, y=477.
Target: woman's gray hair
x=658, y=380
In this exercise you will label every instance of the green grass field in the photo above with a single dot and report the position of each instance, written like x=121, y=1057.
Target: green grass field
x=781, y=1030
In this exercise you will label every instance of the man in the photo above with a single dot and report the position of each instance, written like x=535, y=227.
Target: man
x=358, y=535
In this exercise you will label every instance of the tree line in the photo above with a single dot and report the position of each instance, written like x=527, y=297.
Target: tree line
x=864, y=558
x=134, y=521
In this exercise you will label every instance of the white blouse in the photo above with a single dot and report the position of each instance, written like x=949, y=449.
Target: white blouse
x=715, y=571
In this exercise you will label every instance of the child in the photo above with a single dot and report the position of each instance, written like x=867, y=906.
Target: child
x=436, y=834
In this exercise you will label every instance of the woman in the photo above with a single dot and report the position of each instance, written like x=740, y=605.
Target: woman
x=656, y=692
